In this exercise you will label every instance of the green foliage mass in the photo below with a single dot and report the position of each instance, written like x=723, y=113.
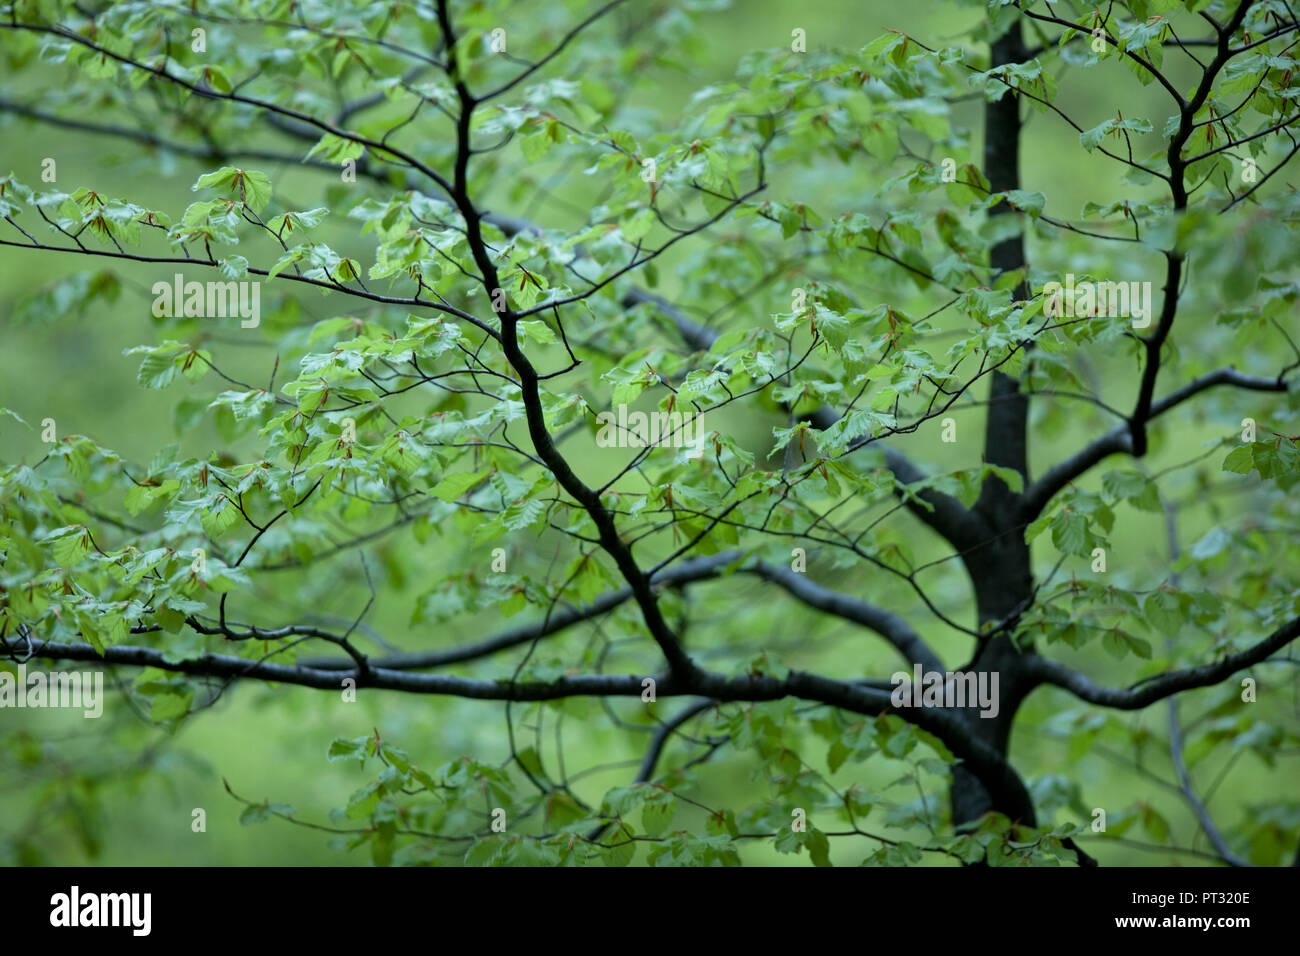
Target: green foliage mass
x=393, y=482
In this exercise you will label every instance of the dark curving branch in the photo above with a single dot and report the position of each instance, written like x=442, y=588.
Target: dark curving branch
x=1119, y=439
x=998, y=777
x=1164, y=685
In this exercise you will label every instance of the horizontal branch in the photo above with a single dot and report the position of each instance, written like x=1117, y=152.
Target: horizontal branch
x=379, y=678
x=207, y=151
x=1119, y=439
x=694, y=569
x=887, y=624
x=333, y=286
x=999, y=778
x=1160, y=686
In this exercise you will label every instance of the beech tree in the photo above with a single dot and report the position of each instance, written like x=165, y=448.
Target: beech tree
x=793, y=428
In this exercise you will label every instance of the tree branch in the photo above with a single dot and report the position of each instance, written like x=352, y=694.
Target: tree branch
x=1156, y=688
x=1199, y=809
x=999, y=778
x=885, y=623
x=693, y=569
x=1119, y=439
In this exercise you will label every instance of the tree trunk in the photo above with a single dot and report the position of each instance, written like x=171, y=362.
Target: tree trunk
x=999, y=567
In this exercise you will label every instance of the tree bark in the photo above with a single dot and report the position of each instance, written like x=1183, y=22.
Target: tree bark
x=999, y=567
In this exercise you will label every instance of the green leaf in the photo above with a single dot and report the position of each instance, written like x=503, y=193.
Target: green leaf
x=819, y=847
x=1164, y=611
x=1240, y=460
x=336, y=149
x=170, y=705
x=220, y=517
x=452, y=487
x=70, y=544
x=255, y=813
x=619, y=850
x=364, y=801
x=341, y=749
x=537, y=331
x=1031, y=203
x=483, y=851
x=655, y=817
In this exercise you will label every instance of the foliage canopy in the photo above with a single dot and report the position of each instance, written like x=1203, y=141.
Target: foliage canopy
x=473, y=227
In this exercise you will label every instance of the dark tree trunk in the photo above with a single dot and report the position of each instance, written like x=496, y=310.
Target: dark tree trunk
x=999, y=566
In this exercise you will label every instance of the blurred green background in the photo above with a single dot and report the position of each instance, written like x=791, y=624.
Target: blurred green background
x=271, y=743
